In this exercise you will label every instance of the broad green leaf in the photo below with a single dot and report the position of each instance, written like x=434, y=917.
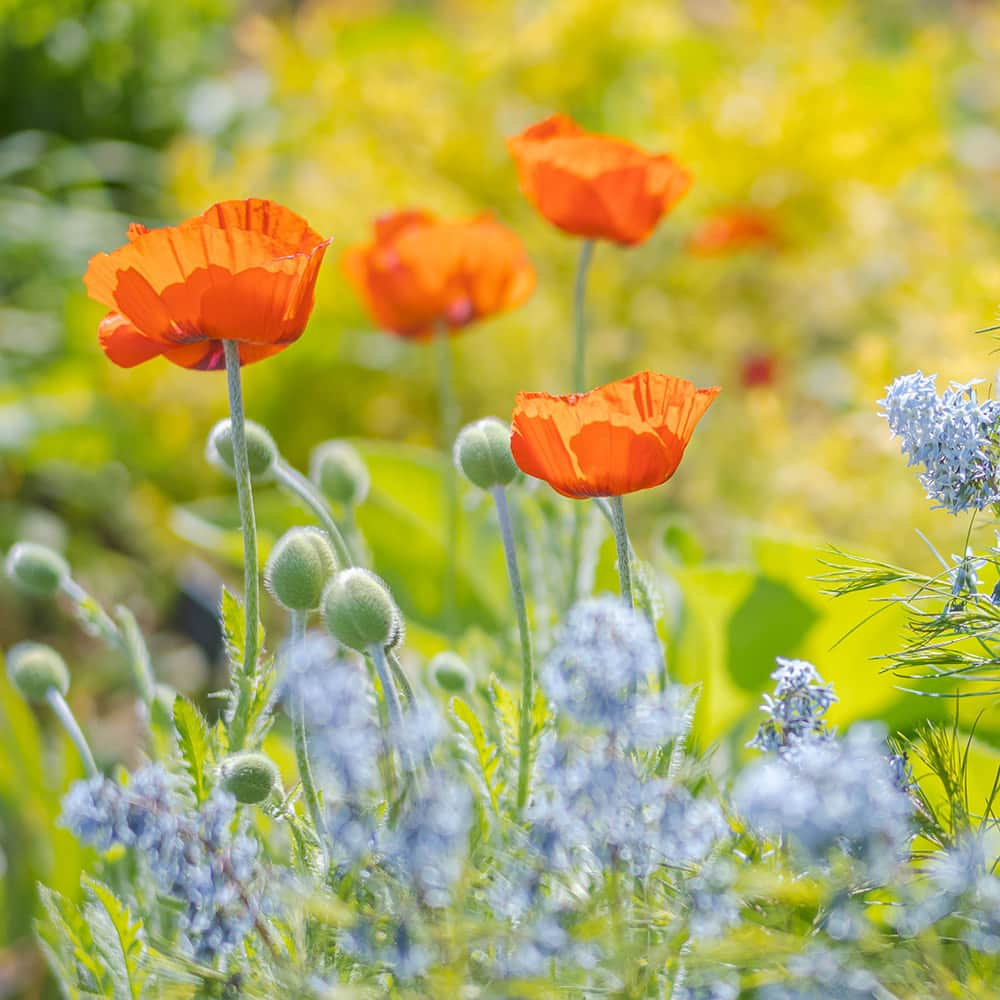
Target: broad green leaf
x=486, y=756
x=118, y=938
x=195, y=744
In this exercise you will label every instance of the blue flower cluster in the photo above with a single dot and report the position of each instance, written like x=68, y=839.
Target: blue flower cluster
x=193, y=854
x=953, y=436
x=832, y=795
x=796, y=709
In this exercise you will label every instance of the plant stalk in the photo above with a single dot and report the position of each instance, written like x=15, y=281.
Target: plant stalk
x=622, y=546
x=527, y=663
x=68, y=721
x=297, y=484
x=448, y=430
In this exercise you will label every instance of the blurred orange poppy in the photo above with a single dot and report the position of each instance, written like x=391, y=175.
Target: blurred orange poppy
x=732, y=232
x=626, y=436
x=242, y=270
x=593, y=185
x=421, y=272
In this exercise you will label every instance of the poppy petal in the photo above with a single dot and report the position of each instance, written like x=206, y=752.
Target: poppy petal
x=123, y=343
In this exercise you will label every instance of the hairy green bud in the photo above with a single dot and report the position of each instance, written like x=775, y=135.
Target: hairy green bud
x=35, y=669
x=298, y=568
x=262, y=452
x=482, y=452
x=340, y=472
x=450, y=672
x=250, y=776
x=359, y=610
x=36, y=569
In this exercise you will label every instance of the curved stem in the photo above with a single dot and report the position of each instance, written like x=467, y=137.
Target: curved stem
x=68, y=721
x=400, y=676
x=622, y=545
x=296, y=483
x=377, y=653
x=527, y=664
x=448, y=430
x=244, y=493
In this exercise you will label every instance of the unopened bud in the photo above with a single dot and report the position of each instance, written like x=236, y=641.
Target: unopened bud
x=36, y=569
x=359, y=610
x=262, y=452
x=298, y=568
x=450, y=672
x=482, y=452
x=35, y=669
x=250, y=776
x=340, y=472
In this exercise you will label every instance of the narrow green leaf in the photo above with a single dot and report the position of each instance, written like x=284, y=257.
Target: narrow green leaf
x=508, y=716
x=118, y=938
x=194, y=742
x=70, y=947
x=487, y=760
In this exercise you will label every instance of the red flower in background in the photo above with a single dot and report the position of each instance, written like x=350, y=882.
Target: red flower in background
x=625, y=436
x=420, y=272
x=734, y=232
x=596, y=186
x=242, y=270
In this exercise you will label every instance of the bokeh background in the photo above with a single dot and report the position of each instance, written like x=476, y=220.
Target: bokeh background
x=869, y=134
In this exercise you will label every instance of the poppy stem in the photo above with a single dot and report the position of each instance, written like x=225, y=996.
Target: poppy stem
x=579, y=385
x=400, y=676
x=528, y=669
x=68, y=721
x=448, y=430
x=622, y=546
x=293, y=480
x=244, y=494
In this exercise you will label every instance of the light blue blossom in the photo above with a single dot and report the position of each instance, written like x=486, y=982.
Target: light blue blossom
x=603, y=650
x=831, y=795
x=193, y=854
x=820, y=973
x=953, y=436
x=796, y=709
x=964, y=575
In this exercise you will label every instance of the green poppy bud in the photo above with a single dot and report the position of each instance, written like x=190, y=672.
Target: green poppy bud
x=250, y=776
x=450, y=672
x=482, y=452
x=262, y=452
x=340, y=472
x=359, y=610
x=36, y=569
x=298, y=568
x=35, y=669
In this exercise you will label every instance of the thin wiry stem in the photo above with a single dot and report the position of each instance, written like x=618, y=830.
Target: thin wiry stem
x=527, y=663
x=449, y=430
x=68, y=721
x=293, y=480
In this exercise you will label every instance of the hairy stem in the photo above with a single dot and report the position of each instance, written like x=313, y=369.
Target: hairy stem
x=68, y=721
x=622, y=546
x=527, y=663
x=293, y=481
x=448, y=430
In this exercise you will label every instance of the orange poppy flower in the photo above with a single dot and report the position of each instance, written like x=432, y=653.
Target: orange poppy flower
x=242, y=270
x=421, y=272
x=593, y=185
x=732, y=232
x=626, y=436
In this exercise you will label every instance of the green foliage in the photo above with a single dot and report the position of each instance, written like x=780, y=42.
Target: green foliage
x=118, y=939
x=195, y=744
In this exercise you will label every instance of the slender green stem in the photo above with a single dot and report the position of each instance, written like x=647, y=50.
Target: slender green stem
x=68, y=721
x=293, y=480
x=448, y=429
x=622, y=546
x=527, y=664
x=377, y=654
x=579, y=317
x=399, y=675
x=244, y=493
x=579, y=385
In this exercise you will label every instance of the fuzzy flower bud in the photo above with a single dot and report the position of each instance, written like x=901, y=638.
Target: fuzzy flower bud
x=35, y=669
x=250, y=777
x=482, y=453
x=359, y=610
x=262, y=452
x=340, y=472
x=36, y=569
x=298, y=568
x=450, y=672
